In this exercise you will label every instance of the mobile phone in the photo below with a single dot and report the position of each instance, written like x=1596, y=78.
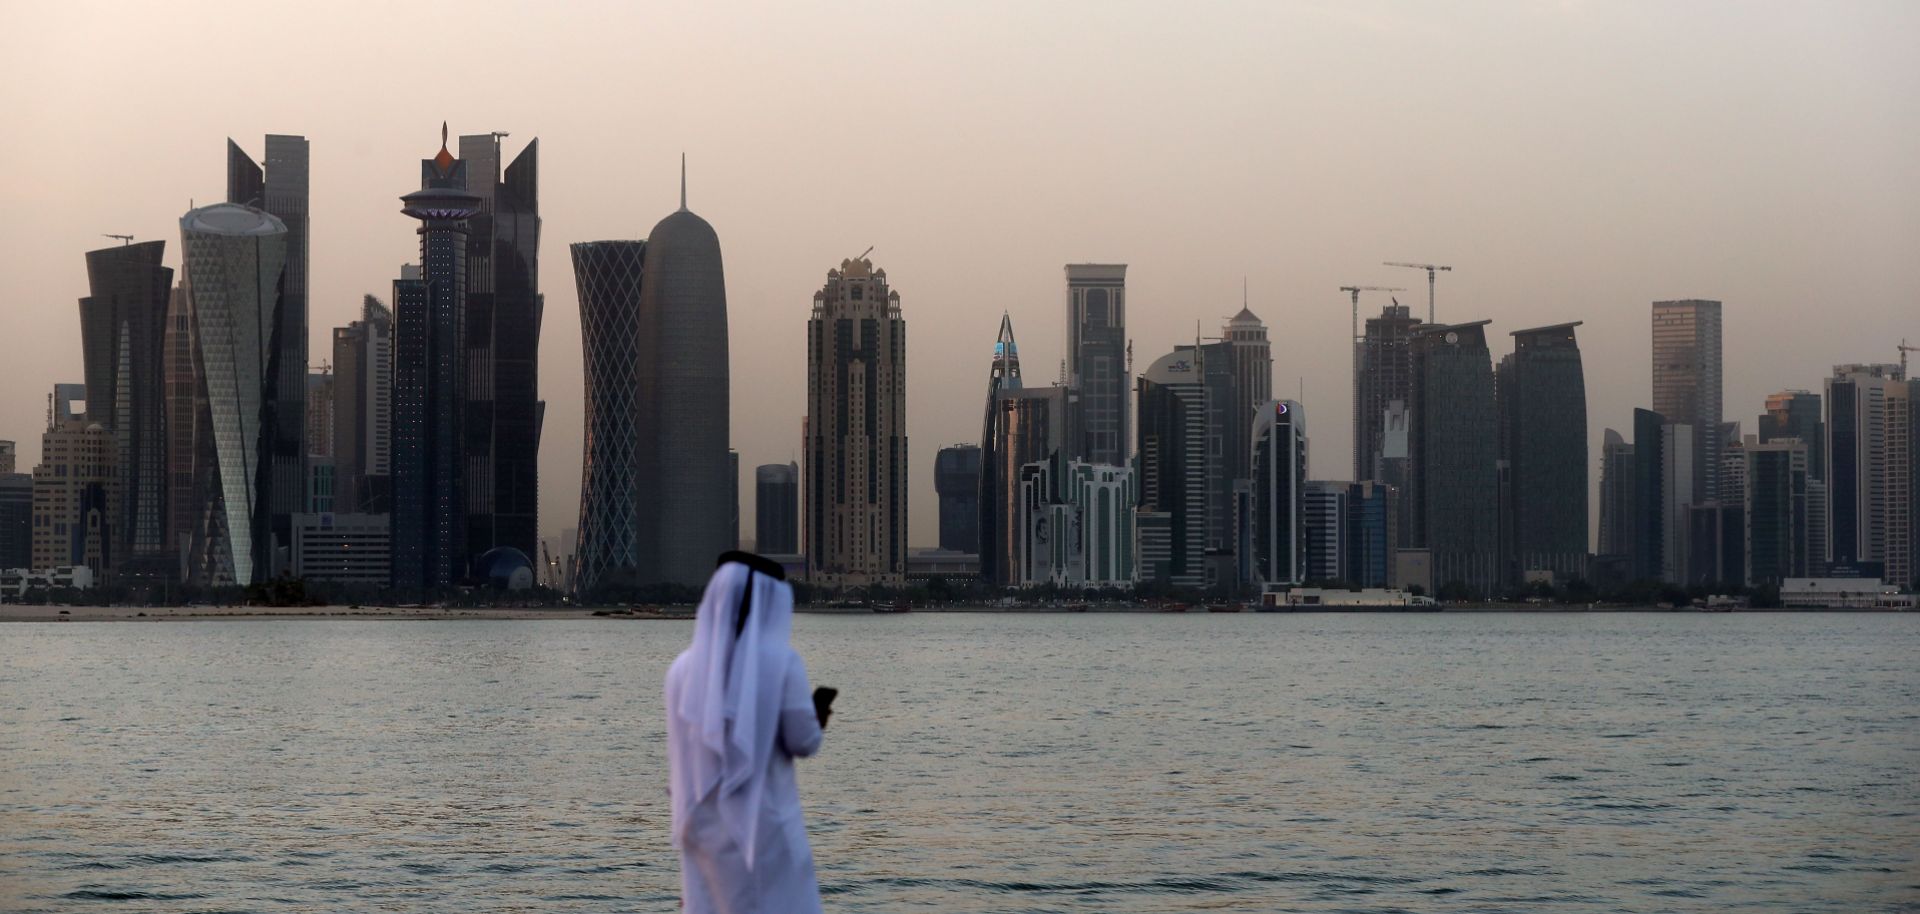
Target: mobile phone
x=823, y=701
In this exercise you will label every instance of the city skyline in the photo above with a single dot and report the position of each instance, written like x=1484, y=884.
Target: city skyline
x=1540, y=232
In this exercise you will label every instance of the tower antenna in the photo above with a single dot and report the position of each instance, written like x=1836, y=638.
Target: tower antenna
x=683, y=182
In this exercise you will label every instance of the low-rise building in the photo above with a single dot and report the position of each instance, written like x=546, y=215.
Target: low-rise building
x=343, y=548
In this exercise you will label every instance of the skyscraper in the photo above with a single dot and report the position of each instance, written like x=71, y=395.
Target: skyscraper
x=123, y=331
x=1279, y=458
x=1173, y=453
x=1662, y=493
x=1454, y=444
x=856, y=433
x=501, y=335
x=1370, y=528
x=280, y=188
x=363, y=410
x=1325, y=509
x=1869, y=469
x=1617, y=503
x=956, y=480
x=1543, y=403
x=1097, y=358
x=430, y=383
x=320, y=414
x=1252, y=359
x=16, y=520
x=1796, y=414
x=1776, y=506
x=609, y=276
x=75, y=496
x=235, y=263
x=1021, y=426
x=1686, y=381
x=1384, y=381
x=776, y=501
x=683, y=405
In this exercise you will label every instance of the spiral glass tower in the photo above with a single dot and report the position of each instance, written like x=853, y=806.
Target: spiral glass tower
x=608, y=275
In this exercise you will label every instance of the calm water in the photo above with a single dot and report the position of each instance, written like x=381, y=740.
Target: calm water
x=983, y=763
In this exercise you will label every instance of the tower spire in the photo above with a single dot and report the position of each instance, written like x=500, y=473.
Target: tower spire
x=683, y=182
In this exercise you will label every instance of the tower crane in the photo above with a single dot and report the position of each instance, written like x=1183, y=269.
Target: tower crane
x=1355, y=291
x=1904, y=349
x=1431, y=268
x=123, y=239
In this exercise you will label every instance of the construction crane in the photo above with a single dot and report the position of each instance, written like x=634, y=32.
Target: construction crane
x=1904, y=349
x=1431, y=268
x=1356, y=290
x=124, y=239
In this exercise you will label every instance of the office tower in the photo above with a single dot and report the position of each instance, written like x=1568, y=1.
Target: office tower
x=320, y=414
x=1869, y=469
x=1796, y=414
x=1662, y=490
x=1686, y=381
x=190, y=456
x=1251, y=359
x=320, y=486
x=363, y=410
x=430, y=473
x=1102, y=498
x=1616, y=496
x=1543, y=405
x=1278, y=457
x=1097, y=359
x=609, y=276
x=501, y=336
x=235, y=265
x=1173, y=454
x=1224, y=414
x=1776, y=506
x=76, y=491
x=280, y=189
x=1022, y=426
x=1367, y=553
x=69, y=401
x=1716, y=545
x=856, y=445
x=16, y=521
x=776, y=501
x=1324, y=506
x=123, y=324
x=956, y=480
x=1383, y=380
x=1454, y=445
x=9, y=455
x=682, y=406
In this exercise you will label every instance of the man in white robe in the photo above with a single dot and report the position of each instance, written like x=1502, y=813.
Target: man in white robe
x=739, y=711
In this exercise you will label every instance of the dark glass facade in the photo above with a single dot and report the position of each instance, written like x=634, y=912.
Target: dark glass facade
x=1173, y=442
x=1279, y=466
x=956, y=481
x=1369, y=532
x=1097, y=359
x=123, y=325
x=776, y=500
x=1796, y=414
x=1776, y=506
x=1543, y=412
x=609, y=276
x=1454, y=447
x=1384, y=377
x=1649, y=500
x=16, y=520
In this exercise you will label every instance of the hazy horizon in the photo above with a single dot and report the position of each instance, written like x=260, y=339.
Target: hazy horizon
x=1571, y=161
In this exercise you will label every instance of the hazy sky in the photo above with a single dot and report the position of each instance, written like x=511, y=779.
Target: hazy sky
x=1573, y=161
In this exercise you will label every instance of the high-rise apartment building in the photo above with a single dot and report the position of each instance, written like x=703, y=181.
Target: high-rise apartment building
x=279, y=187
x=1279, y=517
x=430, y=549
x=1325, y=508
x=123, y=323
x=956, y=480
x=1870, y=469
x=609, y=277
x=776, y=502
x=1542, y=393
x=856, y=433
x=235, y=263
x=76, y=491
x=501, y=336
x=1616, y=496
x=1097, y=359
x=1686, y=381
x=363, y=410
x=1382, y=391
x=1453, y=489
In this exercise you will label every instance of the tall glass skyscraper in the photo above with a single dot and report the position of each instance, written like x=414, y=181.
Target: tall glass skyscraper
x=1870, y=469
x=1454, y=444
x=1383, y=385
x=280, y=188
x=1279, y=457
x=123, y=333
x=609, y=277
x=430, y=378
x=1686, y=381
x=956, y=480
x=1097, y=358
x=235, y=259
x=1542, y=393
x=1174, y=433
x=776, y=500
x=686, y=479
x=1796, y=414
x=1252, y=360
x=501, y=428
x=363, y=410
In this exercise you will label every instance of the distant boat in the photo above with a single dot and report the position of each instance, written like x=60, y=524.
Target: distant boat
x=1173, y=607
x=898, y=607
x=1223, y=607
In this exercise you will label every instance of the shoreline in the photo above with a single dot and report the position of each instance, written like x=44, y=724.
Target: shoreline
x=14, y=612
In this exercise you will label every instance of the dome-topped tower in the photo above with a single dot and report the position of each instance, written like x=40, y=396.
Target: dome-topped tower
x=682, y=409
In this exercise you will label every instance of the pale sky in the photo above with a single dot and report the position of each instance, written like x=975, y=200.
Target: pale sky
x=1571, y=160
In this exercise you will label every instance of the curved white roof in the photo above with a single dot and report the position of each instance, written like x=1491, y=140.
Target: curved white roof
x=231, y=219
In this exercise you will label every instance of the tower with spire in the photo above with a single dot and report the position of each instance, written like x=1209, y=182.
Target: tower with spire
x=1022, y=425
